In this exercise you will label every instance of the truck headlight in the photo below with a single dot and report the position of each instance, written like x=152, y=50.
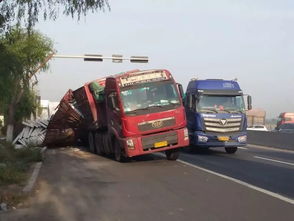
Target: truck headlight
x=186, y=134
x=130, y=144
x=202, y=138
x=242, y=139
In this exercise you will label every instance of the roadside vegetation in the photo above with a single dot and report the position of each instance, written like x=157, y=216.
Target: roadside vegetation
x=23, y=53
x=15, y=167
x=14, y=163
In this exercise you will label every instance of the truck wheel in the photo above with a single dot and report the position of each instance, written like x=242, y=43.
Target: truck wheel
x=105, y=142
x=98, y=144
x=118, y=152
x=91, y=142
x=231, y=150
x=172, y=154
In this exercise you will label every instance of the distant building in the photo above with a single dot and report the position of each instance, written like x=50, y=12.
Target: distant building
x=256, y=117
x=47, y=108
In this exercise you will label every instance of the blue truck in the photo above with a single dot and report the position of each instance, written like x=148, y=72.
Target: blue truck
x=215, y=111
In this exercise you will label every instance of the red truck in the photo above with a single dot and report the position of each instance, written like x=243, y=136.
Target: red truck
x=128, y=114
x=285, y=117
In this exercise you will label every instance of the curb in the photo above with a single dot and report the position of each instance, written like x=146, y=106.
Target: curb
x=31, y=182
x=43, y=152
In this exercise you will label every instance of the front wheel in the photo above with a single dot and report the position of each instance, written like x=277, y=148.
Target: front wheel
x=231, y=150
x=118, y=152
x=172, y=154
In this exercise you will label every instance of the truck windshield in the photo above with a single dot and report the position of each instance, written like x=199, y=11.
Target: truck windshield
x=220, y=104
x=151, y=97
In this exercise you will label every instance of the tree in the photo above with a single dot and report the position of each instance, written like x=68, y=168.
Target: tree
x=28, y=11
x=21, y=55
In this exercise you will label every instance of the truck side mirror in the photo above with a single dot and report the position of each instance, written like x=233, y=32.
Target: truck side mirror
x=249, y=102
x=113, y=101
x=115, y=104
x=180, y=87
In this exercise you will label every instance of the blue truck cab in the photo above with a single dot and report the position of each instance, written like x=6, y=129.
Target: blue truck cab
x=215, y=111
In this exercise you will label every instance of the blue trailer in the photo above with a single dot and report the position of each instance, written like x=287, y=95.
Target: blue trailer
x=215, y=111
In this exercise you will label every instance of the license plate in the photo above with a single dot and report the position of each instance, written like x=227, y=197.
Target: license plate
x=160, y=144
x=223, y=138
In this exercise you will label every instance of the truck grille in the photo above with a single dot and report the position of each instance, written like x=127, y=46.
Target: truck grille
x=149, y=141
x=222, y=125
x=157, y=124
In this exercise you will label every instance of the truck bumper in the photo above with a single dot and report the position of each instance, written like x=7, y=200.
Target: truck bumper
x=156, y=142
x=198, y=138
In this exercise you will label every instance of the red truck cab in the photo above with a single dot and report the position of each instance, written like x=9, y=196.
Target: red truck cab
x=142, y=112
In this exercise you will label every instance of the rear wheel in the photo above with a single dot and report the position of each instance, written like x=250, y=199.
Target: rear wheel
x=118, y=152
x=172, y=154
x=106, y=145
x=91, y=142
x=231, y=150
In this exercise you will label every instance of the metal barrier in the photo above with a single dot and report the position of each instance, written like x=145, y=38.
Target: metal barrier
x=271, y=139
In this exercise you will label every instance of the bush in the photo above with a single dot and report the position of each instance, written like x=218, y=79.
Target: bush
x=29, y=154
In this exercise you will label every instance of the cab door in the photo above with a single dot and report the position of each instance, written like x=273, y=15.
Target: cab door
x=113, y=107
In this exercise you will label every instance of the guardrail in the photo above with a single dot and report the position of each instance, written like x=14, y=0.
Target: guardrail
x=271, y=139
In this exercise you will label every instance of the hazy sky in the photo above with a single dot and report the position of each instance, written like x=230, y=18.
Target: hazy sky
x=250, y=40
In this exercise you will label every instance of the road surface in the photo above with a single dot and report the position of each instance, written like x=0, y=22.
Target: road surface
x=77, y=185
x=268, y=168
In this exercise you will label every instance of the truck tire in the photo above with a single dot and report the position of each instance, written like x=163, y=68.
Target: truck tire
x=231, y=150
x=91, y=142
x=98, y=144
x=105, y=142
x=118, y=152
x=172, y=154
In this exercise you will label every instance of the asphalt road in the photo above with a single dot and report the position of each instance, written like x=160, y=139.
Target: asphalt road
x=77, y=185
x=267, y=168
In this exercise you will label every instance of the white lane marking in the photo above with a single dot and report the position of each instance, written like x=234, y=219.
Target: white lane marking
x=272, y=194
x=243, y=148
x=273, y=160
x=271, y=148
